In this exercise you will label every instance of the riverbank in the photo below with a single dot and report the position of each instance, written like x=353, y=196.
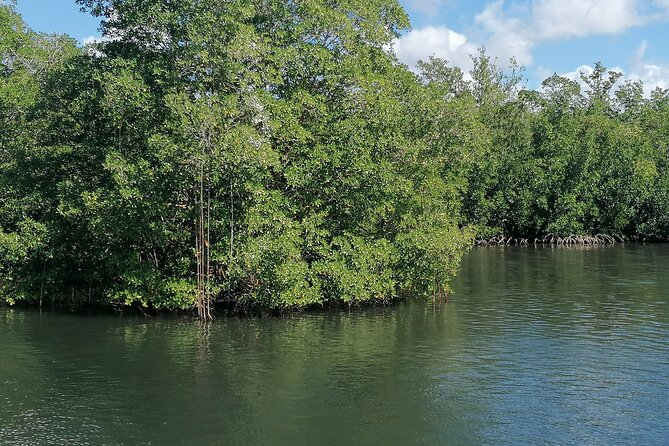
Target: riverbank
x=558, y=240
x=232, y=308
x=220, y=308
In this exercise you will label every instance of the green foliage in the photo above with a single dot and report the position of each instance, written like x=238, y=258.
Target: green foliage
x=274, y=141
x=565, y=162
x=26, y=244
x=275, y=154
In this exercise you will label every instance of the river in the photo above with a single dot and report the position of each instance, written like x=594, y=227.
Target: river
x=536, y=346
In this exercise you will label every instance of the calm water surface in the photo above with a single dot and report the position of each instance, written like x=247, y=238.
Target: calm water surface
x=537, y=346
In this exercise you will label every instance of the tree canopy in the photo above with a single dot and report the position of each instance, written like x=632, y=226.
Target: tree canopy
x=276, y=154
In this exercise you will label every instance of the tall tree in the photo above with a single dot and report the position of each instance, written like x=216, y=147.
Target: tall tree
x=27, y=59
x=256, y=153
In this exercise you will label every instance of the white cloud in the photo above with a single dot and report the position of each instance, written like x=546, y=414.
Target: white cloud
x=663, y=4
x=559, y=19
x=576, y=74
x=518, y=29
x=510, y=36
x=420, y=44
x=639, y=54
x=587, y=70
x=543, y=73
x=651, y=74
x=514, y=28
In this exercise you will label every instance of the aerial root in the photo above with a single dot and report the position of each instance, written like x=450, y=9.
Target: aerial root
x=551, y=239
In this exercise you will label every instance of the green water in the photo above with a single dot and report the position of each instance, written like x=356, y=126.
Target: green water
x=537, y=346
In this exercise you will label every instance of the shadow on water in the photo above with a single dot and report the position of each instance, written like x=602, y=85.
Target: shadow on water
x=545, y=346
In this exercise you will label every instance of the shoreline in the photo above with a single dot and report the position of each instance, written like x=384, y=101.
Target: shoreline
x=228, y=309
x=568, y=240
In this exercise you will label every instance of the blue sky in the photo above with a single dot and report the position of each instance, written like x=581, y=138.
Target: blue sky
x=546, y=36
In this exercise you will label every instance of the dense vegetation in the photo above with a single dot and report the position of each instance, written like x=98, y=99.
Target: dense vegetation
x=272, y=153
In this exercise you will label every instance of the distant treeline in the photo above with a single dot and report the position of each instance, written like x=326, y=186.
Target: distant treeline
x=275, y=154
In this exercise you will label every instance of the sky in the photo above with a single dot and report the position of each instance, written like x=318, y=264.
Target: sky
x=545, y=36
